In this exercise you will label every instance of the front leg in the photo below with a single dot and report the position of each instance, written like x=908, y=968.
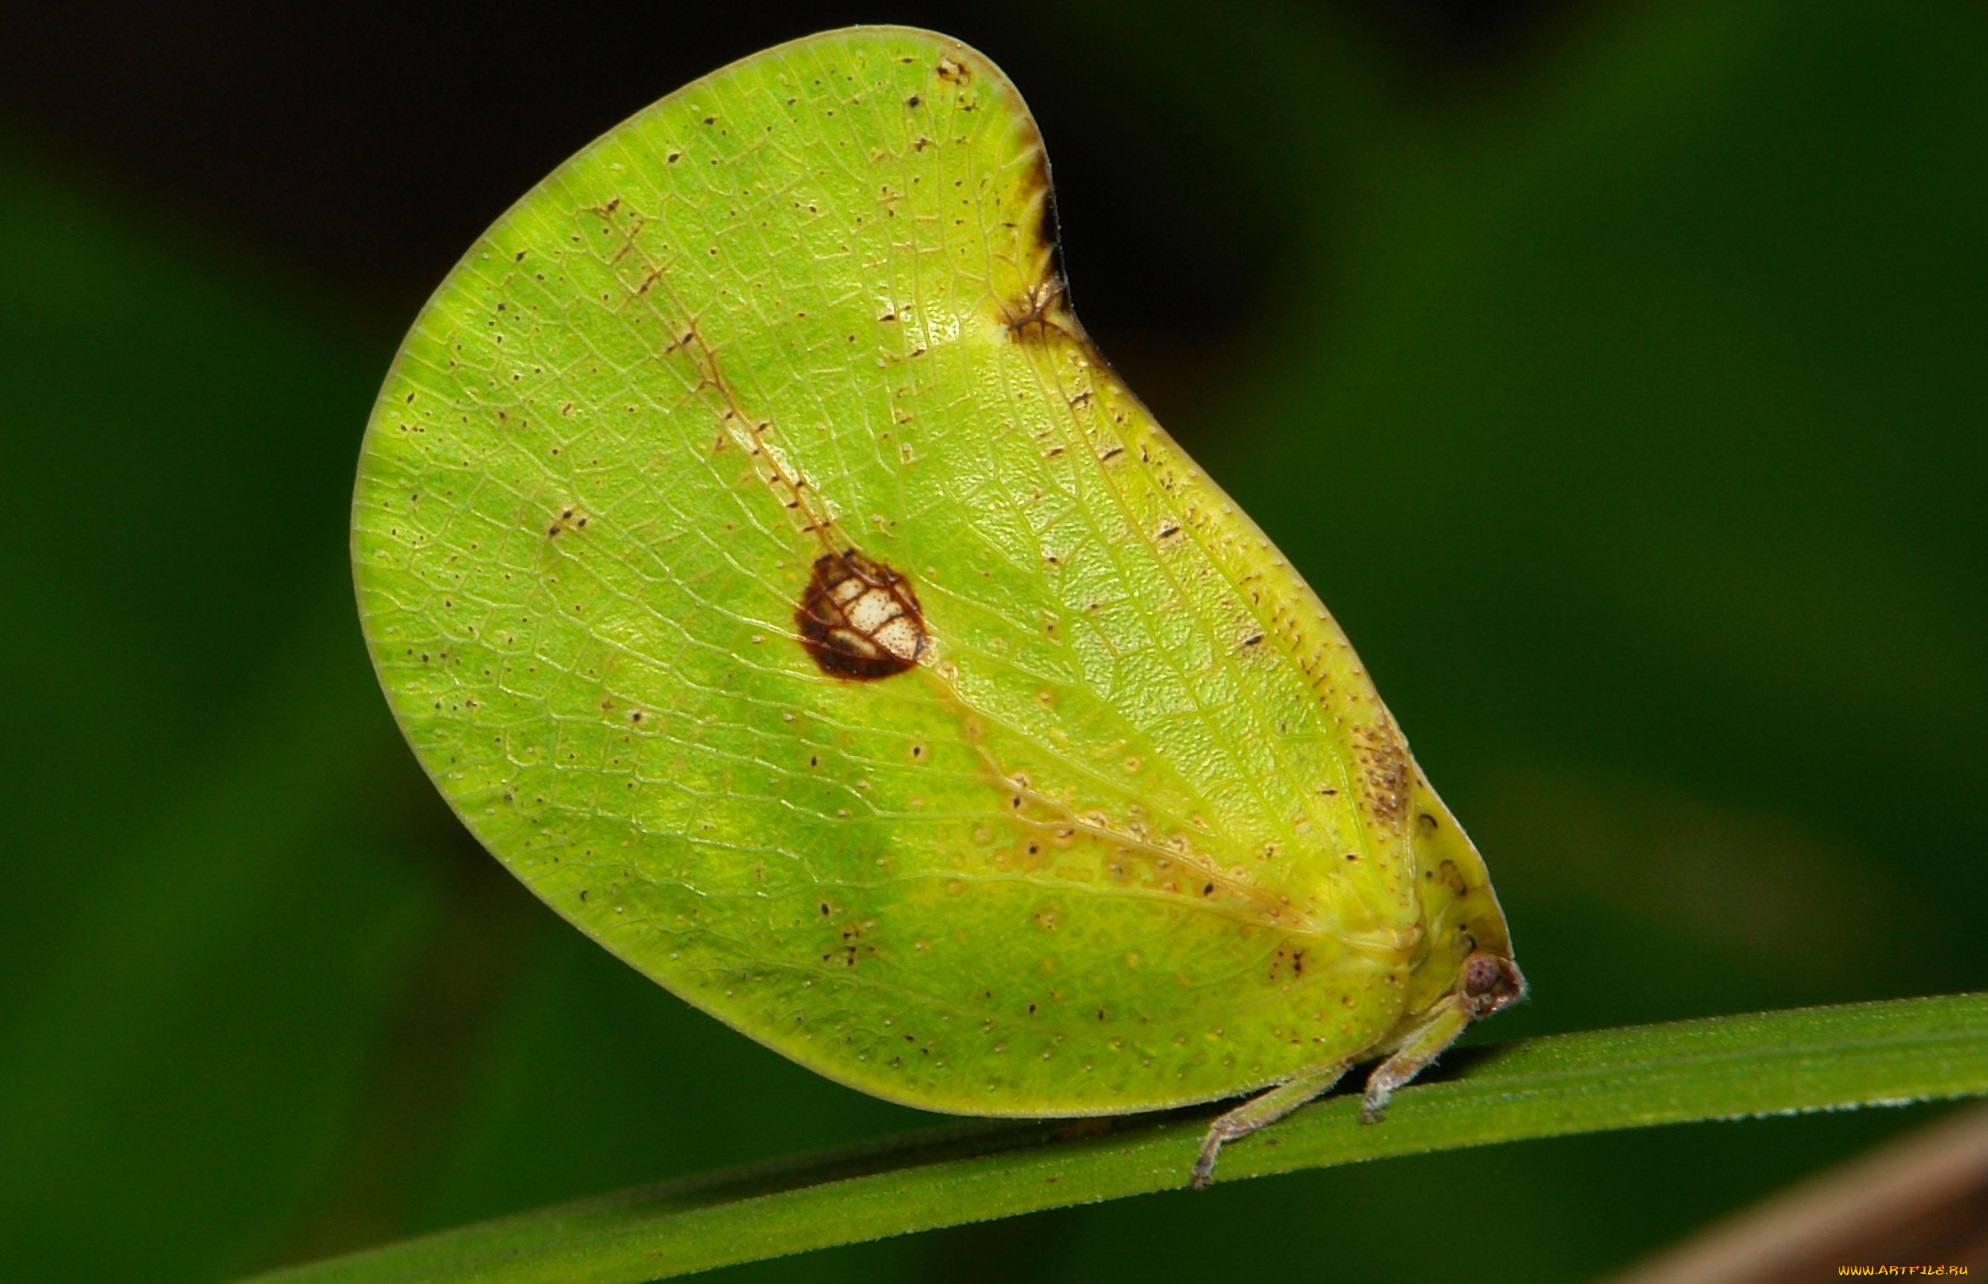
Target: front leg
x=1423, y=1044
x=1261, y=1111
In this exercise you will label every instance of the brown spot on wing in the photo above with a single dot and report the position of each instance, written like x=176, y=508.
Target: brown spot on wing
x=1043, y=310
x=1048, y=228
x=1387, y=771
x=859, y=618
x=1039, y=312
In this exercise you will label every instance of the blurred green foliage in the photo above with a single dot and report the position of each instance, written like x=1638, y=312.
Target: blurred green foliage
x=1629, y=415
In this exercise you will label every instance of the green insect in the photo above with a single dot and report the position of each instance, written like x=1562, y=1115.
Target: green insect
x=774, y=577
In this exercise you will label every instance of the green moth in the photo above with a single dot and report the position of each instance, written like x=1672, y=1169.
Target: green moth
x=774, y=577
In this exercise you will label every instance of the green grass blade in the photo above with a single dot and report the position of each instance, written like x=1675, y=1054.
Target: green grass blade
x=1890, y=1053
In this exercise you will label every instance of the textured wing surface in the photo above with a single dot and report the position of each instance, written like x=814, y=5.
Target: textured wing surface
x=771, y=574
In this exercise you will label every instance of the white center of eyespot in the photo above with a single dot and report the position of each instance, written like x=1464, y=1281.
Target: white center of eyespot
x=873, y=610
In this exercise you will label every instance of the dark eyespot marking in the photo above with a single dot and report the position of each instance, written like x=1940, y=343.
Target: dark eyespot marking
x=859, y=618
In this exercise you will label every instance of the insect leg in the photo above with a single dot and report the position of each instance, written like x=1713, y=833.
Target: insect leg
x=1423, y=1044
x=1261, y=1111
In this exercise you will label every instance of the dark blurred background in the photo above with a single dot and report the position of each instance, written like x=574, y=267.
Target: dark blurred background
x=1617, y=372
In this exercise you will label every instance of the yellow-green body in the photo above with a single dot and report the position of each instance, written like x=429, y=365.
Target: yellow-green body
x=1134, y=829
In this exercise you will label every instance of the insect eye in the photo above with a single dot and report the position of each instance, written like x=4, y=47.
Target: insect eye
x=1492, y=981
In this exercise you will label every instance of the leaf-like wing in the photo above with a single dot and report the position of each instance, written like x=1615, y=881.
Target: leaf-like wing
x=771, y=573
